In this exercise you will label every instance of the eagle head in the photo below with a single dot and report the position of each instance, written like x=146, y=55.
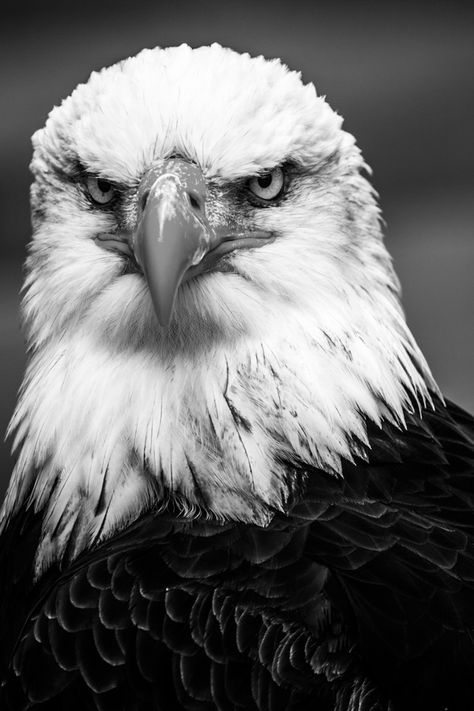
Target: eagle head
x=208, y=300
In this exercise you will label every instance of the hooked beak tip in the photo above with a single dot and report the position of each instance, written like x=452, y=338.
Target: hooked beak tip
x=163, y=314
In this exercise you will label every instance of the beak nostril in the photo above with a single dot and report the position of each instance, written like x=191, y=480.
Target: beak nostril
x=194, y=201
x=144, y=199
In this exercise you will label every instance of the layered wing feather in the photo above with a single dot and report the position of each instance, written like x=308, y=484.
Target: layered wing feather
x=205, y=618
x=362, y=593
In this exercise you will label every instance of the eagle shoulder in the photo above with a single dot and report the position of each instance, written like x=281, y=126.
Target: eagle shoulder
x=399, y=541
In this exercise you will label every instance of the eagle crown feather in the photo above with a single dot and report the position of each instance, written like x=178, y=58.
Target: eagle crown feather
x=280, y=357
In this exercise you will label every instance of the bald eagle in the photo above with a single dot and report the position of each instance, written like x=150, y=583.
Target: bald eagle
x=237, y=486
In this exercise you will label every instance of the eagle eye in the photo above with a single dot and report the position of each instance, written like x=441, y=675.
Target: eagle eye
x=101, y=191
x=269, y=185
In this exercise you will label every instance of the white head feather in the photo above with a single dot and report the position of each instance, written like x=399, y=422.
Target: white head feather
x=284, y=358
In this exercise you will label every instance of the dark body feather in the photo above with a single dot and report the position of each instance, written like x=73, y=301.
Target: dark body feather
x=360, y=598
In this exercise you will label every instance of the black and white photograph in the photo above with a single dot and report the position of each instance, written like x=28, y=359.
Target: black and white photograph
x=237, y=356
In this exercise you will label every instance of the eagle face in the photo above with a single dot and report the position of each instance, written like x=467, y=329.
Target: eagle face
x=208, y=298
x=236, y=119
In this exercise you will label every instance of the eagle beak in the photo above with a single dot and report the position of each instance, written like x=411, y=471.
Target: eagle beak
x=173, y=233
x=173, y=241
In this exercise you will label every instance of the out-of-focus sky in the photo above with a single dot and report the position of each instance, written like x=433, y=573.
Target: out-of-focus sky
x=400, y=74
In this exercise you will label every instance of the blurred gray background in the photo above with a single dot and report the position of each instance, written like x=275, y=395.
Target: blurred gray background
x=401, y=74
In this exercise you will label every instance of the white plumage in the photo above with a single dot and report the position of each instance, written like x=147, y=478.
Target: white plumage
x=304, y=337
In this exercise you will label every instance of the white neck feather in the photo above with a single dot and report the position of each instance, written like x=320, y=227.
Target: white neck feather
x=104, y=435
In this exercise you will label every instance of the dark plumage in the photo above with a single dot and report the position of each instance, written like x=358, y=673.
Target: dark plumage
x=361, y=593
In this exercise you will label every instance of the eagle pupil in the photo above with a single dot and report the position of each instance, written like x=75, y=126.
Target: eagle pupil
x=103, y=185
x=265, y=180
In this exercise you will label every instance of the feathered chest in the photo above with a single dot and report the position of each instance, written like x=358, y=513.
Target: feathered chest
x=113, y=433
